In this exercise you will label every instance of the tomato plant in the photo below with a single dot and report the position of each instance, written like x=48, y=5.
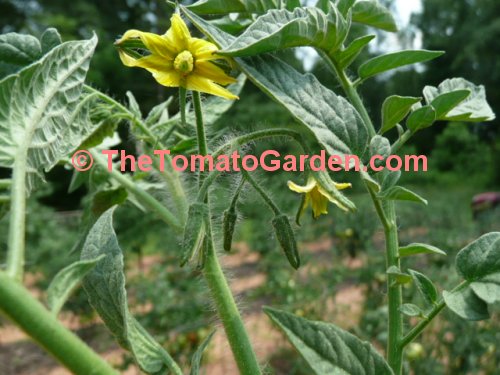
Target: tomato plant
x=47, y=112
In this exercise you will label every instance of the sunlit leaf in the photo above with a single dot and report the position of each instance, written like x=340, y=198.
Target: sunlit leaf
x=233, y=6
x=372, y=13
x=394, y=109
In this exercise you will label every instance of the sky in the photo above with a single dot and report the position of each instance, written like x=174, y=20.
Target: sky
x=404, y=9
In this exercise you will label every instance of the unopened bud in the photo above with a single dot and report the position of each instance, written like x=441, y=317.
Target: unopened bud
x=228, y=225
x=286, y=238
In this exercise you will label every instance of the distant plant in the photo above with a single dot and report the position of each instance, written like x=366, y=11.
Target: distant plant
x=47, y=112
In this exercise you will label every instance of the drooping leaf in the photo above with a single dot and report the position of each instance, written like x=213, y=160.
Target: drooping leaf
x=410, y=309
x=419, y=248
x=372, y=13
x=42, y=114
x=203, y=7
x=332, y=120
x=65, y=282
x=421, y=118
x=425, y=286
x=17, y=51
x=395, y=60
x=105, y=288
x=344, y=6
x=474, y=108
x=466, y=304
x=198, y=354
x=280, y=29
x=328, y=349
x=395, y=109
x=399, y=193
x=399, y=276
x=347, y=56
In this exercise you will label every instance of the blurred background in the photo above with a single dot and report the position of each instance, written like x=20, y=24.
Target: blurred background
x=343, y=278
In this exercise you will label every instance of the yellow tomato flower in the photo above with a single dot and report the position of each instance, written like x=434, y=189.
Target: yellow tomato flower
x=179, y=60
x=316, y=196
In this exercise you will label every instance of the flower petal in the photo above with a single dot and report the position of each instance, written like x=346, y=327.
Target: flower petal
x=311, y=183
x=202, y=84
x=168, y=78
x=213, y=72
x=319, y=203
x=152, y=63
x=178, y=35
x=303, y=206
x=153, y=42
x=202, y=49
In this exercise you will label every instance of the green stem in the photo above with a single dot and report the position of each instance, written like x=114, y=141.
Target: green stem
x=143, y=196
x=418, y=329
x=261, y=191
x=182, y=105
x=401, y=141
x=351, y=93
x=229, y=315
x=217, y=282
x=394, y=350
x=17, y=222
x=30, y=315
x=4, y=198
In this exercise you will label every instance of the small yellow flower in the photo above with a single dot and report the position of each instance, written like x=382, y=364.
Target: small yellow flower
x=316, y=195
x=179, y=60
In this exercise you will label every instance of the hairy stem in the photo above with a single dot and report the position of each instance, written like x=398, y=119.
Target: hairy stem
x=30, y=315
x=217, y=283
x=401, y=141
x=143, y=196
x=17, y=222
x=261, y=191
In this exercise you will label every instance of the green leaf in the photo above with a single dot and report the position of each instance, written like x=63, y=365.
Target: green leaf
x=480, y=258
x=197, y=356
x=231, y=26
x=203, y=7
x=347, y=56
x=399, y=276
x=331, y=119
x=410, y=309
x=17, y=51
x=419, y=248
x=292, y=4
x=344, y=6
x=488, y=288
x=466, y=304
x=474, y=108
x=280, y=29
x=328, y=349
x=42, y=114
x=395, y=60
x=158, y=114
x=105, y=288
x=380, y=146
x=421, y=118
x=391, y=178
x=371, y=13
x=425, y=286
x=50, y=39
x=399, y=193
x=444, y=103
x=133, y=106
x=66, y=281
x=395, y=109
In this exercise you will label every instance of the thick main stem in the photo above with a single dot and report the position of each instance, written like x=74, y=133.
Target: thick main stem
x=29, y=314
x=394, y=292
x=217, y=283
x=17, y=222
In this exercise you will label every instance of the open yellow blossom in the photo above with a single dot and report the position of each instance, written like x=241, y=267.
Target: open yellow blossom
x=179, y=60
x=316, y=196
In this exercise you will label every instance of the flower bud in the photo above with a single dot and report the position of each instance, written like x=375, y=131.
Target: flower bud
x=286, y=238
x=194, y=231
x=228, y=224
